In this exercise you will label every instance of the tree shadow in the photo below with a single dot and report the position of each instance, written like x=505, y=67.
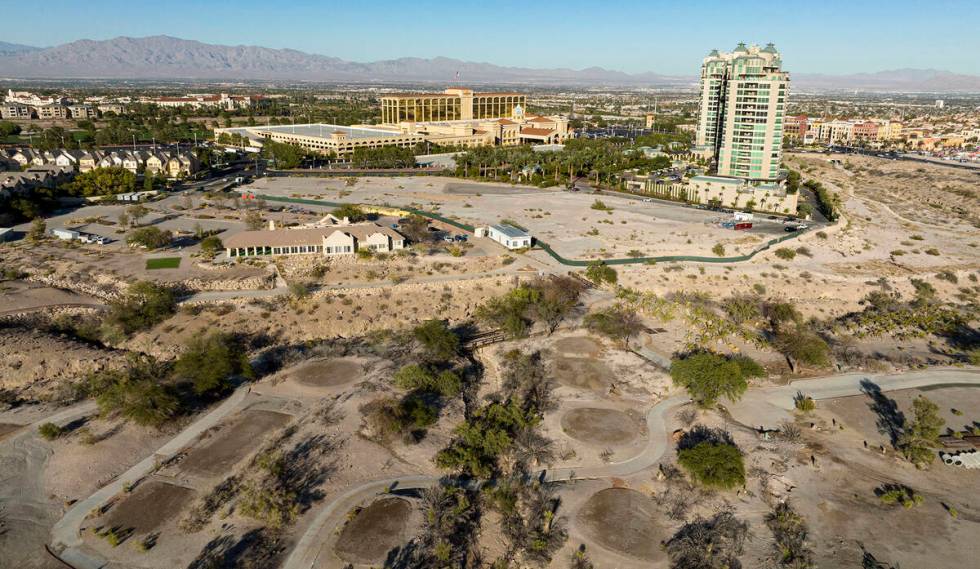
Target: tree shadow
x=701, y=434
x=256, y=548
x=891, y=420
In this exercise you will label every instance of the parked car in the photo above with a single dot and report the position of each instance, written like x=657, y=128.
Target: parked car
x=461, y=238
x=790, y=228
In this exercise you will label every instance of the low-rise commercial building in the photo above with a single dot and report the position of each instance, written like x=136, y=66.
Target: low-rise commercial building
x=326, y=241
x=507, y=235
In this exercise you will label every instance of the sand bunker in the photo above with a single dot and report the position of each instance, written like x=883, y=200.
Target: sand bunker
x=149, y=507
x=328, y=373
x=221, y=452
x=580, y=346
x=624, y=521
x=375, y=531
x=600, y=426
x=582, y=373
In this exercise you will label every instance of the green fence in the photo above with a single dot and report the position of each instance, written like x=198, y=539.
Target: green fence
x=547, y=248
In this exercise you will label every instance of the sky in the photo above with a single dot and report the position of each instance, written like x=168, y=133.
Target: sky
x=818, y=36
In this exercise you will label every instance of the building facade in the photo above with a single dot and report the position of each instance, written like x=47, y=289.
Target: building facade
x=451, y=105
x=741, y=110
x=326, y=241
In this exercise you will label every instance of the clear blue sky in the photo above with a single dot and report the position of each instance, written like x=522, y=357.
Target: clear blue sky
x=817, y=36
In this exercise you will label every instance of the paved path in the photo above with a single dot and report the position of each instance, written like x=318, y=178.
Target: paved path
x=306, y=552
x=65, y=535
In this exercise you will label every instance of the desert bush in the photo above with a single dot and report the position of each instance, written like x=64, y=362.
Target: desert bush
x=803, y=346
x=414, y=377
x=144, y=305
x=718, y=250
x=890, y=494
x=785, y=253
x=742, y=309
x=209, y=361
x=137, y=392
x=149, y=237
x=618, y=322
x=789, y=532
x=713, y=543
x=50, y=431
x=803, y=402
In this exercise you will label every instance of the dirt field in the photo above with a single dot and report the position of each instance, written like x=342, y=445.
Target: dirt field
x=376, y=530
x=328, y=373
x=217, y=455
x=7, y=429
x=600, y=426
x=150, y=505
x=625, y=521
x=583, y=373
x=577, y=346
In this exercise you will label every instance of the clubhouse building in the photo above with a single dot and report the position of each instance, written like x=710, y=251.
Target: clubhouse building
x=327, y=241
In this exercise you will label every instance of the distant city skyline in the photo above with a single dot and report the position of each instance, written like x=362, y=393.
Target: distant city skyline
x=832, y=37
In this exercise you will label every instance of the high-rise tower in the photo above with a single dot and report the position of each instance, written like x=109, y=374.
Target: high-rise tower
x=741, y=108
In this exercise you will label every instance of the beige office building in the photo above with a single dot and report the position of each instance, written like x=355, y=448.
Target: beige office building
x=741, y=110
x=451, y=105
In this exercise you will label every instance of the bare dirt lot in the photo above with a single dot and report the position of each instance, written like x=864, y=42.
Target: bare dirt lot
x=625, y=521
x=329, y=373
x=7, y=428
x=583, y=373
x=600, y=426
x=150, y=505
x=217, y=455
x=376, y=530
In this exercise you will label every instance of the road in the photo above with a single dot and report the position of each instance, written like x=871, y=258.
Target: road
x=779, y=399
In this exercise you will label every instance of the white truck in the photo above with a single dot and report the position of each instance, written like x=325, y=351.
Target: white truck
x=744, y=216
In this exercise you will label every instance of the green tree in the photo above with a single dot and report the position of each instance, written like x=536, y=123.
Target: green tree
x=439, y=342
x=209, y=361
x=8, y=128
x=135, y=391
x=103, y=181
x=149, y=237
x=618, y=322
x=414, y=377
x=712, y=458
x=137, y=212
x=599, y=273
x=144, y=304
x=803, y=346
x=352, y=212
x=921, y=435
x=211, y=246
x=38, y=231
x=708, y=376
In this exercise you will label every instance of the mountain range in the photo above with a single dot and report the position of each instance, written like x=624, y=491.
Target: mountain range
x=164, y=57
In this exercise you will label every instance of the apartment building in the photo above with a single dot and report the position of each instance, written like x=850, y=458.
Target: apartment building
x=83, y=112
x=52, y=111
x=16, y=111
x=741, y=110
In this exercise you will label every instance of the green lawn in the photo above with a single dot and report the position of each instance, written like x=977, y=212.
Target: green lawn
x=162, y=263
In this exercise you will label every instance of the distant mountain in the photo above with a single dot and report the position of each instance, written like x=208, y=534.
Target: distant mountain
x=15, y=48
x=896, y=80
x=164, y=57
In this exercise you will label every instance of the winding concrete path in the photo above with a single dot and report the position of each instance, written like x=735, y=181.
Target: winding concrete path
x=306, y=552
x=66, y=533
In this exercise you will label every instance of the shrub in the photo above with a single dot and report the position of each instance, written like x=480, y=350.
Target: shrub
x=708, y=376
x=803, y=402
x=949, y=276
x=742, y=309
x=898, y=494
x=299, y=290
x=789, y=531
x=711, y=458
x=598, y=205
x=821, y=234
x=932, y=251
x=718, y=250
x=417, y=378
x=50, y=431
x=785, y=253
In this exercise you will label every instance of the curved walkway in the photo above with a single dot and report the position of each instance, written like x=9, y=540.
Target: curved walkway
x=66, y=533
x=306, y=551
